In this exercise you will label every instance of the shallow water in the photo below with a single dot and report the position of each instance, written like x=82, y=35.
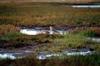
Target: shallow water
x=85, y=6
x=14, y=54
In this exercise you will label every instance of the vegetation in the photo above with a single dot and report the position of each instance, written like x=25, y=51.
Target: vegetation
x=93, y=60
x=69, y=41
x=13, y=16
x=65, y=42
x=17, y=40
x=47, y=14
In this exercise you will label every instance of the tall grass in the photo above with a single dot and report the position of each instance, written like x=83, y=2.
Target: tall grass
x=65, y=42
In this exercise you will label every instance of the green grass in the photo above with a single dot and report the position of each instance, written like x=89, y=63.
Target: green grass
x=12, y=15
x=10, y=36
x=64, y=42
